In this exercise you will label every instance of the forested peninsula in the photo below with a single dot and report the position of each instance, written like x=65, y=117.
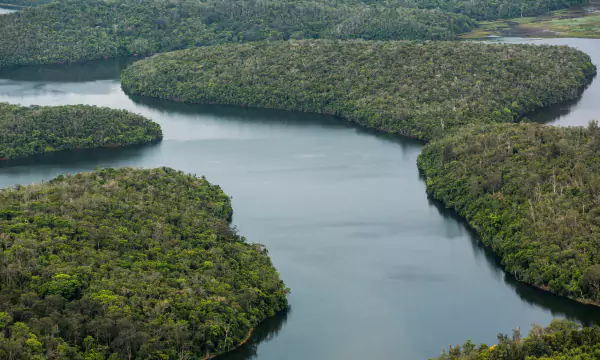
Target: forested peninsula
x=128, y=264
x=34, y=130
x=532, y=193
x=561, y=340
x=421, y=90
x=77, y=30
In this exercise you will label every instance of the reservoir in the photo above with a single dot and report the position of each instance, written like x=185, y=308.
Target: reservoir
x=377, y=270
x=6, y=11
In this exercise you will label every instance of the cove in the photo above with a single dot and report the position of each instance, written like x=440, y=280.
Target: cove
x=377, y=270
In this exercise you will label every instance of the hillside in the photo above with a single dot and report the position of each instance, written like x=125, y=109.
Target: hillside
x=34, y=130
x=128, y=264
x=477, y=9
x=532, y=193
x=76, y=30
x=421, y=90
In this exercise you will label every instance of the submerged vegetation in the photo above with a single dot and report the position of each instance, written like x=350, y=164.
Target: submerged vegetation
x=128, y=264
x=561, y=340
x=532, y=193
x=34, y=130
x=421, y=90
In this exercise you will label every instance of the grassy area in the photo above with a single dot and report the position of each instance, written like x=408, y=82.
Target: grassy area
x=575, y=22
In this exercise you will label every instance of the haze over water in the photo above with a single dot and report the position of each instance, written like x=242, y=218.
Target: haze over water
x=377, y=271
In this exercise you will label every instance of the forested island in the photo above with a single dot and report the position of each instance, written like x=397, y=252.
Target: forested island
x=421, y=90
x=128, y=264
x=77, y=30
x=561, y=340
x=34, y=130
x=532, y=193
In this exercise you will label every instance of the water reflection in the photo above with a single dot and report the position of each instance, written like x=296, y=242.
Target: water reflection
x=6, y=11
x=344, y=215
x=266, y=331
x=557, y=305
x=577, y=112
x=80, y=157
x=264, y=116
x=69, y=73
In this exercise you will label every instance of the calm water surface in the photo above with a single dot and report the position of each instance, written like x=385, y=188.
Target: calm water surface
x=6, y=11
x=377, y=271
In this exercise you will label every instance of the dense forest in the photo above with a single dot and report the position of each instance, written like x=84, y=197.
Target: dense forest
x=127, y=264
x=477, y=9
x=494, y=9
x=421, y=90
x=35, y=130
x=561, y=340
x=75, y=30
x=71, y=30
x=532, y=193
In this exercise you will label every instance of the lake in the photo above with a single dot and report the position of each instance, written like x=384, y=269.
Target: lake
x=6, y=11
x=377, y=270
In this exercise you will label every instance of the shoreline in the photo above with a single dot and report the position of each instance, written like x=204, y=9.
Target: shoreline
x=244, y=342
x=11, y=6
x=405, y=133
x=585, y=82
x=465, y=221
x=106, y=146
x=580, y=22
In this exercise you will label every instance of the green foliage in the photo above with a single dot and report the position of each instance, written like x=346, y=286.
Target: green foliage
x=478, y=9
x=127, y=264
x=71, y=30
x=562, y=340
x=494, y=9
x=421, y=90
x=35, y=130
x=532, y=192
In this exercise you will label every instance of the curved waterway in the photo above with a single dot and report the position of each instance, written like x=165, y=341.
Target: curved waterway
x=377, y=270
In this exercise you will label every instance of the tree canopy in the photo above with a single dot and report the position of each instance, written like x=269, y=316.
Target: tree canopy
x=35, y=130
x=495, y=9
x=532, y=193
x=73, y=30
x=127, y=264
x=477, y=9
x=422, y=90
x=561, y=340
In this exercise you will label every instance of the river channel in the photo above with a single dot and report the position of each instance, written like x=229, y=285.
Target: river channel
x=377, y=270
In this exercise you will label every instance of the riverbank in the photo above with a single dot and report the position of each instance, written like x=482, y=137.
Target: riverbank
x=529, y=191
x=133, y=233
x=12, y=6
x=423, y=91
x=335, y=203
x=37, y=130
x=576, y=22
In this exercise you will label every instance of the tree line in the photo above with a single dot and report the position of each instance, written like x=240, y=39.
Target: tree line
x=532, y=193
x=128, y=264
x=421, y=90
x=78, y=30
x=561, y=340
x=34, y=130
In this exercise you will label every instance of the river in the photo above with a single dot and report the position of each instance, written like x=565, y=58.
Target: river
x=6, y=11
x=377, y=270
